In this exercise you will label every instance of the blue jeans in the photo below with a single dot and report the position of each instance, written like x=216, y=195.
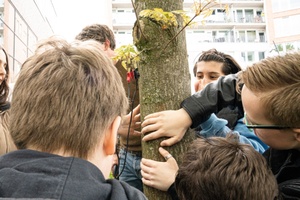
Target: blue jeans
x=132, y=171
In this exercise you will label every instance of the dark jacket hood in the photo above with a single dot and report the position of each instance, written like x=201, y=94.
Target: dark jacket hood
x=33, y=174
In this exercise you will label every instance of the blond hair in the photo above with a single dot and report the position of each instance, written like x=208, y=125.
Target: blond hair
x=66, y=96
x=277, y=81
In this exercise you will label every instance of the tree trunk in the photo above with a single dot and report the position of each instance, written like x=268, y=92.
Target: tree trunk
x=164, y=76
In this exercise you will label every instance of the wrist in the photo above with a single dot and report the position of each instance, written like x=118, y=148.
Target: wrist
x=185, y=118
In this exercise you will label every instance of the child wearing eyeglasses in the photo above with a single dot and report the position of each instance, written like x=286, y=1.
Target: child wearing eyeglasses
x=269, y=95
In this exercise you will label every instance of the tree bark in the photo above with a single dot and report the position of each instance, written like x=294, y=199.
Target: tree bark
x=164, y=76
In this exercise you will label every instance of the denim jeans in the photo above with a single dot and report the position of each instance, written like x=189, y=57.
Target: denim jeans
x=132, y=171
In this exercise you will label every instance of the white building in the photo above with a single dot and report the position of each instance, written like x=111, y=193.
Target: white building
x=282, y=24
x=250, y=31
x=240, y=33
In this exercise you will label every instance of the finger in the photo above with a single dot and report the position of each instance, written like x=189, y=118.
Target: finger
x=136, y=110
x=136, y=120
x=147, y=182
x=148, y=163
x=150, y=128
x=153, y=115
x=137, y=124
x=149, y=121
x=146, y=175
x=136, y=133
x=137, y=117
x=146, y=168
x=168, y=142
x=151, y=136
x=163, y=152
x=144, y=163
x=167, y=156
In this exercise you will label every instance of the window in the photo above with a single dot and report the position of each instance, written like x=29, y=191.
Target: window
x=243, y=56
x=251, y=36
x=280, y=5
x=261, y=37
x=261, y=55
x=250, y=56
x=286, y=26
x=242, y=36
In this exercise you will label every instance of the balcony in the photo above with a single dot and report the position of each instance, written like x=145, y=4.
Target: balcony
x=234, y=3
x=121, y=4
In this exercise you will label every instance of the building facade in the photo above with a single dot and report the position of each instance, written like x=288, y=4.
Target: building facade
x=283, y=31
x=250, y=31
x=22, y=25
x=241, y=32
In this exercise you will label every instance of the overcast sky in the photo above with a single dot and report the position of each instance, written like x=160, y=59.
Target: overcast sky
x=72, y=15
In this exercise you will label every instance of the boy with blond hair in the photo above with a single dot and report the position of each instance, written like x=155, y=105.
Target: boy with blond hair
x=63, y=126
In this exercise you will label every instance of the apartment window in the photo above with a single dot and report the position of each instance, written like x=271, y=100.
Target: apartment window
x=250, y=56
x=280, y=5
x=249, y=15
x=240, y=16
x=242, y=36
x=222, y=36
x=243, y=55
x=251, y=36
x=286, y=26
x=261, y=37
x=261, y=55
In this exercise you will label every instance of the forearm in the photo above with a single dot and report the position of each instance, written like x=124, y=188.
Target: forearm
x=211, y=99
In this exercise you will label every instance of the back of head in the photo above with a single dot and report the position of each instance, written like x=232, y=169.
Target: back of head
x=230, y=65
x=221, y=168
x=66, y=96
x=277, y=81
x=97, y=32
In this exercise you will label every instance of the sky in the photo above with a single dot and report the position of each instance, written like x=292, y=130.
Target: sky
x=73, y=16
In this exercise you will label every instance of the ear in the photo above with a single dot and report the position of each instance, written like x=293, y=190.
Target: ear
x=110, y=137
x=106, y=45
x=297, y=133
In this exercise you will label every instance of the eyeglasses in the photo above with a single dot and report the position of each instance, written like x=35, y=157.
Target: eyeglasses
x=253, y=126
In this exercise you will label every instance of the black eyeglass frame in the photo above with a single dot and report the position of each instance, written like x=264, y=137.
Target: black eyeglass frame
x=267, y=127
x=254, y=126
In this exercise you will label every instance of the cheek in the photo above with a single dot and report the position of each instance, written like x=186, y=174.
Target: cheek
x=196, y=85
x=273, y=139
x=112, y=53
x=264, y=136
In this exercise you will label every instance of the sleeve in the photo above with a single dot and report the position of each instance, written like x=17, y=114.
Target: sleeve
x=290, y=189
x=247, y=136
x=215, y=126
x=212, y=99
x=172, y=192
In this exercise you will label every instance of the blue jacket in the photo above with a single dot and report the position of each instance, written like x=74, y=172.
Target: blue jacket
x=215, y=126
